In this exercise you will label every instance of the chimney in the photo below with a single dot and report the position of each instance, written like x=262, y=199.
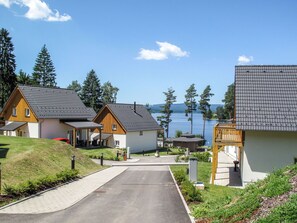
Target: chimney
x=135, y=106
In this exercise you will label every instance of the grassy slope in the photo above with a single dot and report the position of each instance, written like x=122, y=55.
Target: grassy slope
x=28, y=158
x=108, y=153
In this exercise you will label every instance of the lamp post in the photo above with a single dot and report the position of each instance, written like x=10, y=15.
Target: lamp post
x=0, y=176
x=73, y=162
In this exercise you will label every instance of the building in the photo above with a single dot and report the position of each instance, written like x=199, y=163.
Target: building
x=265, y=129
x=39, y=112
x=127, y=125
x=188, y=141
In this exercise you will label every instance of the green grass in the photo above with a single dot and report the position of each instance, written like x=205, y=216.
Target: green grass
x=162, y=152
x=108, y=153
x=30, y=159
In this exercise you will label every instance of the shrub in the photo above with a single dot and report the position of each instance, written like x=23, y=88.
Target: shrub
x=179, y=176
x=190, y=192
x=202, y=156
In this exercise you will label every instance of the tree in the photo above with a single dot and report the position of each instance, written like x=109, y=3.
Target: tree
x=166, y=111
x=91, y=91
x=148, y=107
x=24, y=78
x=76, y=87
x=204, y=105
x=109, y=93
x=44, y=70
x=191, y=103
x=221, y=115
x=229, y=101
x=8, y=78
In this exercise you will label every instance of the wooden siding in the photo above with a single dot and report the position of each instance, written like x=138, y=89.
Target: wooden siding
x=20, y=104
x=107, y=119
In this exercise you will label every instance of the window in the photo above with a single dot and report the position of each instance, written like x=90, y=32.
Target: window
x=14, y=111
x=141, y=133
x=114, y=127
x=295, y=160
x=117, y=143
x=27, y=112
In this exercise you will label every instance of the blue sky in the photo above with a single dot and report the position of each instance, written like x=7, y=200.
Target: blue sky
x=146, y=46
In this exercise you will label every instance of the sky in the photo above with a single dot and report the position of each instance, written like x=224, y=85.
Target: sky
x=144, y=47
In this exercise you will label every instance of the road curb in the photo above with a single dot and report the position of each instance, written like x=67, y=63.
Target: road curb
x=182, y=197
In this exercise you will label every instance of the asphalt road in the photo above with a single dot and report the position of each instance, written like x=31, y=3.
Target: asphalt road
x=139, y=195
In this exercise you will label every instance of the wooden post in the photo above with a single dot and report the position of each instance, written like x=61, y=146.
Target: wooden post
x=100, y=130
x=74, y=137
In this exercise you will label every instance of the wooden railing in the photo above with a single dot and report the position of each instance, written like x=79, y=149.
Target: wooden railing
x=224, y=135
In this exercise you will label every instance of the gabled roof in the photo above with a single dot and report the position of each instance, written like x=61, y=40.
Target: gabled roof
x=55, y=103
x=266, y=98
x=139, y=120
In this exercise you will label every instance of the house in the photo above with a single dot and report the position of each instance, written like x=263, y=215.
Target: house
x=40, y=112
x=188, y=141
x=265, y=128
x=127, y=125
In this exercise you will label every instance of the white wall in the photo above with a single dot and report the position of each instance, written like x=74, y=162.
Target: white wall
x=264, y=152
x=52, y=128
x=138, y=143
x=121, y=138
x=232, y=151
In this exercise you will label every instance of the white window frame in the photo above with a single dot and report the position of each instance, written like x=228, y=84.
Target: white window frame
x=117, y=143
x=27, y=112
x=114, y=127
x=14, y=111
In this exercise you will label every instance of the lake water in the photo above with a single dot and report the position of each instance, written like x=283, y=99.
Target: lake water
x=180, y=122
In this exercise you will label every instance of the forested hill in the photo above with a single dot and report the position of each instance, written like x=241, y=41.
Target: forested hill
x=179, y=108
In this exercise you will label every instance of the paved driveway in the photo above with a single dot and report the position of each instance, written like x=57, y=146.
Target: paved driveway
x=139, y=195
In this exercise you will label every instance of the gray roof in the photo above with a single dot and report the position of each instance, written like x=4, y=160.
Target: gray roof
x=13, y=126
x=56, y=103
x=266, y=98
x=185, y=139
x=84, y=125
x=141, y=120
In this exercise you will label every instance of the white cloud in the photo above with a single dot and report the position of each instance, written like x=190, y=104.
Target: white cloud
x=242, y=60
x=165, y=50
x=38, y=10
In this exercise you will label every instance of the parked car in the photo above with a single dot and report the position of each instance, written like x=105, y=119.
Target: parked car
x=62, y=140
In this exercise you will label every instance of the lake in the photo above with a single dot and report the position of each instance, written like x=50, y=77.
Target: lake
x=180, y=122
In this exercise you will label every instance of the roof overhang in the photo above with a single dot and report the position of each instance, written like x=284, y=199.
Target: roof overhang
x=83, y=125
x=13, y=126
x=103, y=137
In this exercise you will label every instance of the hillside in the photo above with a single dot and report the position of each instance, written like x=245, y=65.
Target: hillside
x=26, y=158
x=179, y=108
x=273, y=199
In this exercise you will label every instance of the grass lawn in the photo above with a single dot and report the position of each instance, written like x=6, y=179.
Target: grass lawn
x=29, y=159
x=108, y=153
x=162, y=152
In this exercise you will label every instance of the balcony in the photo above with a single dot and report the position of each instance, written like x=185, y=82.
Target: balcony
x=227, y=135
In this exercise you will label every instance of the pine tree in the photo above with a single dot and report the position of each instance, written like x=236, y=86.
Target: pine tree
x=204, y=105
x=191, y=103
x=8, y=78
x=24, y=78
x=44, y=70
x=109, y=93
x=76, y=87
x=229, y=101
x=165, y=118
x=91, y=91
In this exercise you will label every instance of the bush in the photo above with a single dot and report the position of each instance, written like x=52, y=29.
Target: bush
x=179, y=176
x=190, y=192
x=33, y=186
x=202, y=156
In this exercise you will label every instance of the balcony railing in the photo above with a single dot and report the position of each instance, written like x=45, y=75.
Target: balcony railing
x=226, y=134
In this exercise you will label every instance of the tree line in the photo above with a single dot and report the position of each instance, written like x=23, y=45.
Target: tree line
x=91, y=92
x=191, y=106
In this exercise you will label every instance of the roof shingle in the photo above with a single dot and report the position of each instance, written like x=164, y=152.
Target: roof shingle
x=266, y=97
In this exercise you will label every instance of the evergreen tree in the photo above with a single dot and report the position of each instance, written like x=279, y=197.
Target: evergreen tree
x=44, y=70
x=76, y=87
x=8, y=78
x=204, y=105
x=191, y=103
x=24, y=78
x=91, y=91
x=221, y=115
x=166, y=111
x=229, y=101
x=109, y=93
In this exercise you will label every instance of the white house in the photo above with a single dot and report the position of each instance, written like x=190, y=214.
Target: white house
x=266, y=113
x=127, y=125
x=39, y=112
